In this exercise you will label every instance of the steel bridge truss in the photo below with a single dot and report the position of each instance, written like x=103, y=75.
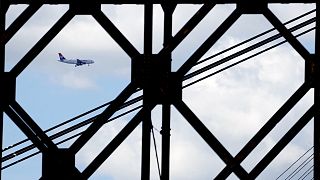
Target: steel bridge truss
x=161, y=86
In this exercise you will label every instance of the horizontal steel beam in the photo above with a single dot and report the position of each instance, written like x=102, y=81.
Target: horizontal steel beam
x=158, y=1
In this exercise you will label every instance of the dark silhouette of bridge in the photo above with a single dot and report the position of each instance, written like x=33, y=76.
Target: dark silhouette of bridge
x=152, y=74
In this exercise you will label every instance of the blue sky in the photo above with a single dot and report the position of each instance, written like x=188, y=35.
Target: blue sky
x=233, y=104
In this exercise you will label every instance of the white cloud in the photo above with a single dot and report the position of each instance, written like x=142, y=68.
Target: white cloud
x=129, y=20
x=74, y=80
x=285, y=11
x=84, y=34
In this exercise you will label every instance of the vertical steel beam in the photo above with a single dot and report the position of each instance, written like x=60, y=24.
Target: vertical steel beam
x=1, y=132
x=165, y=132
x=168, y=10
x=3, y=10
x=316, y=135
x=317, y=98
x=146, y=122
x=1, y=137
x=148, y=24
x=146, y=141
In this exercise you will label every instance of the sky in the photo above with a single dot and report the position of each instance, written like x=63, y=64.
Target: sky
x=233, y=104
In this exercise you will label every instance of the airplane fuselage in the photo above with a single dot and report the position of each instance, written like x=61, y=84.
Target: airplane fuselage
x=76, y=62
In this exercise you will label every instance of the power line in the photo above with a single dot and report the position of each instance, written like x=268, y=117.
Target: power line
x=305, y=174
x=156, y=151
x=38, y=152
x=59, y=125
x=245, y=59
x=294, y=162
x=248, y=49
x=255, y=37
x=126, y=104
x=300, y=167
x=65, y=140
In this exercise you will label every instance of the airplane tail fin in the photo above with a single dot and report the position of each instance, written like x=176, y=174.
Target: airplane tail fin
x=61, y=57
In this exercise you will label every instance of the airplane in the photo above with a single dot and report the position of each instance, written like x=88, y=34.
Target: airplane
x=76, y=62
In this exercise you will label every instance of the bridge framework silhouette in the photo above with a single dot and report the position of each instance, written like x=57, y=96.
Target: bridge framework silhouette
x=160, y=85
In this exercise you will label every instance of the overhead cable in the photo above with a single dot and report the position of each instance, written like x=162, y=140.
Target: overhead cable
x=295, y=162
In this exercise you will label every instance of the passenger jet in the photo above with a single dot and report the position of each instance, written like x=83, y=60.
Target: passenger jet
x=76, y=62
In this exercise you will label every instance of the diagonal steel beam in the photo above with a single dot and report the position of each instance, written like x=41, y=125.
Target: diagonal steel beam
x=33, y=126
x=113, y=145
x=210, y=139
x=262, y=133
x=101, y=119
x=187, y=28
x=114, y=32
x=296, y=128
x=25, y=129
x=211, y=40
x=42, y=43
x=286, y=34
x=19, y=22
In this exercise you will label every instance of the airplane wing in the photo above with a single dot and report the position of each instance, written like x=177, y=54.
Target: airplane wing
x=79, y=62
